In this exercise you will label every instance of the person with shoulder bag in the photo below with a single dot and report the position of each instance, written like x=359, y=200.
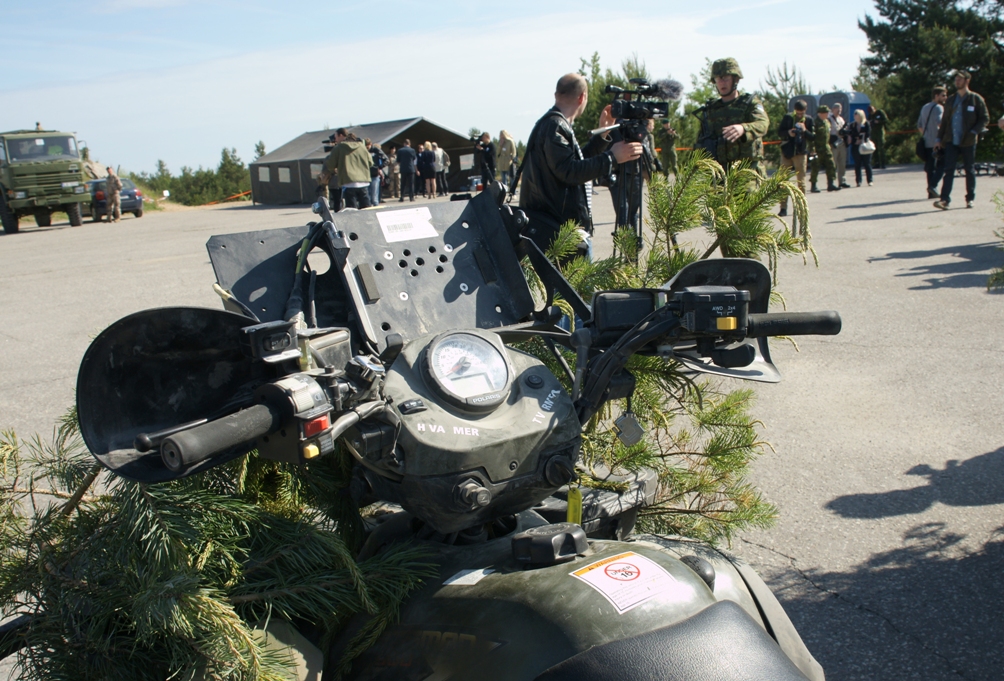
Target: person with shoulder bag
x=858, y=140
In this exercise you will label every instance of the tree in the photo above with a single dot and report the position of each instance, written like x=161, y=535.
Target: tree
x=776, y=90
x=259, y=150
x=918, y=43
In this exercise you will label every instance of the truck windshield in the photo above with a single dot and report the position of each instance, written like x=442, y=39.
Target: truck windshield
x=42, y=148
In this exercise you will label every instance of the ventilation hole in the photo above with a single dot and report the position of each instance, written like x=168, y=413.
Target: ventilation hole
x=406, y=252
x=263, y=310
x=439, y=268
x=318, y=261
x=432, y=249
x=419, y=262
x=261, y=241
x=353, y=236
x=402, y=263
x=378, y=267
x=385, y=326
x=443, y=258
x=414, y=273
x=498, y=308
x=283, y=432
x=464, y=225
x=223, y=246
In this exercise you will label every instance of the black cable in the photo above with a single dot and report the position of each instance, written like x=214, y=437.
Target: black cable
x=561, y=359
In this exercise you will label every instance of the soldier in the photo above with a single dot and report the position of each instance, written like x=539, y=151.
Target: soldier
x=824, y=154
x=666, y=139
x=113, y=201
x=733, y=126
x=877, y=120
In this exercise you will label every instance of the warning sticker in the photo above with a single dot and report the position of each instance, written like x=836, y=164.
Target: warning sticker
x=627, y=580
x=405, y=225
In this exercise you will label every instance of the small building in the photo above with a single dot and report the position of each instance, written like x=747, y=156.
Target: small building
x=289, y=174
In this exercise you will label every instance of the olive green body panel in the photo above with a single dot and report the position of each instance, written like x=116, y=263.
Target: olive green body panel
x=442, y=439
x=514, y=623
x=42, y=183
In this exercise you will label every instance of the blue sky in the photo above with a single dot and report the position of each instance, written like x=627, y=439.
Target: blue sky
x=178, y=80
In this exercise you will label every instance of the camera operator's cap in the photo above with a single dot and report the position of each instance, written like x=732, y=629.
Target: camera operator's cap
x=962, y=72
x=822, y=108
x=726, y=67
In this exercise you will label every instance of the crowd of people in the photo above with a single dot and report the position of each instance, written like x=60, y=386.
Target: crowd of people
x=359, y=173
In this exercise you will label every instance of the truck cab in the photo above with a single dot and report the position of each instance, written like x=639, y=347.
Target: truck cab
x=40, y=172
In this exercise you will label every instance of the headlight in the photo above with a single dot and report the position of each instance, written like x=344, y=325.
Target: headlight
x=78, y=190
x=20, y=195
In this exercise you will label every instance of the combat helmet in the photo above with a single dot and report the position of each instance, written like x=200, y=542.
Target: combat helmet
x=726, y=67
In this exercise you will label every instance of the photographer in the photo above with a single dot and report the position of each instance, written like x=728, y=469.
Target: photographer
x=795, y=132
x=487, y=149
x=555, y=169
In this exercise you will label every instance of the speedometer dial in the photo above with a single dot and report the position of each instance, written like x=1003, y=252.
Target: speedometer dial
x=470, y=371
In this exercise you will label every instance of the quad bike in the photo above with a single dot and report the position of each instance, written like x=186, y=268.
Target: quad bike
x=400, y=352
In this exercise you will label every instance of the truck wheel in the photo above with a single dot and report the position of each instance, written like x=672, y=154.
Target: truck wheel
x=8, y=218
x=73, y=212
x=138, y=213
x=43, y=218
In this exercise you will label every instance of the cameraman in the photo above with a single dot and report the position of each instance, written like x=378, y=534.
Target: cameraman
x=556, y=168
x=350, y=161
x=795, y=132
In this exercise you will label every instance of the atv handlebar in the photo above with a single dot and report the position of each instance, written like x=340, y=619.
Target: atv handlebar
x=825, y=323
x=189, y=447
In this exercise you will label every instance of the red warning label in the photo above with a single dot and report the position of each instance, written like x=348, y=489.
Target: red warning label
x=628, y=579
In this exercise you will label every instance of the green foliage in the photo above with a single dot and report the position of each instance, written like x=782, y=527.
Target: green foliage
x=167, y=581
x=701, y=441
x=778, y=87
x=259, y=150
x=916, y=44
x=202, y=186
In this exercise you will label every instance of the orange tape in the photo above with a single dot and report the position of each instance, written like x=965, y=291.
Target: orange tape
x=235, y=196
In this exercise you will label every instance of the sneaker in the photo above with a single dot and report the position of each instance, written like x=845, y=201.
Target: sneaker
x=969, y=204
x=931, y=194
x=943, y=205
x=869, y=184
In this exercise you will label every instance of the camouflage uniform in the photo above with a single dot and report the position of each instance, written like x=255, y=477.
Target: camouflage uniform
x=824, y=154
x=113, y=200
x=745, y=109
x=666, y=141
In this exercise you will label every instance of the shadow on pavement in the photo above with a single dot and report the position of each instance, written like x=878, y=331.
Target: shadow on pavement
x=970, y=265
x=978, y=481
x=879, y=203
x=927, y=609
x=877, y=216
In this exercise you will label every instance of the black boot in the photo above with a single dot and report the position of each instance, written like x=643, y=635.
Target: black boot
x=815, y=189
x=832, y=188
x=784, y=210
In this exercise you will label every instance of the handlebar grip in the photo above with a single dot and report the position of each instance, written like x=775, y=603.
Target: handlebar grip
x=825, y=323
x=189, y=447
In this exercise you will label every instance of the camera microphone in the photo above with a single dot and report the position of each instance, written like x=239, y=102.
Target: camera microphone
x=667, y=88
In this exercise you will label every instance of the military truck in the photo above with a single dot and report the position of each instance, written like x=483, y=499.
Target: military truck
x=40, y=172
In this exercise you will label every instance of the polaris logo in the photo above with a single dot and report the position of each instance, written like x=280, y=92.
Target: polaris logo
x=486, y=398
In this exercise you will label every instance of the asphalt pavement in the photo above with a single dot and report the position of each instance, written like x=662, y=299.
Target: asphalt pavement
x=888, y=446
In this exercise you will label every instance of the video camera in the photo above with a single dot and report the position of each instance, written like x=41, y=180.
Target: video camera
x=330, y=143
x=647, y=100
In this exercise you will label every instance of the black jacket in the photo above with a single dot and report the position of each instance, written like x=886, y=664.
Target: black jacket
x=556, y=170
x=974, y=120
x=790, y=146
x=407, y=157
